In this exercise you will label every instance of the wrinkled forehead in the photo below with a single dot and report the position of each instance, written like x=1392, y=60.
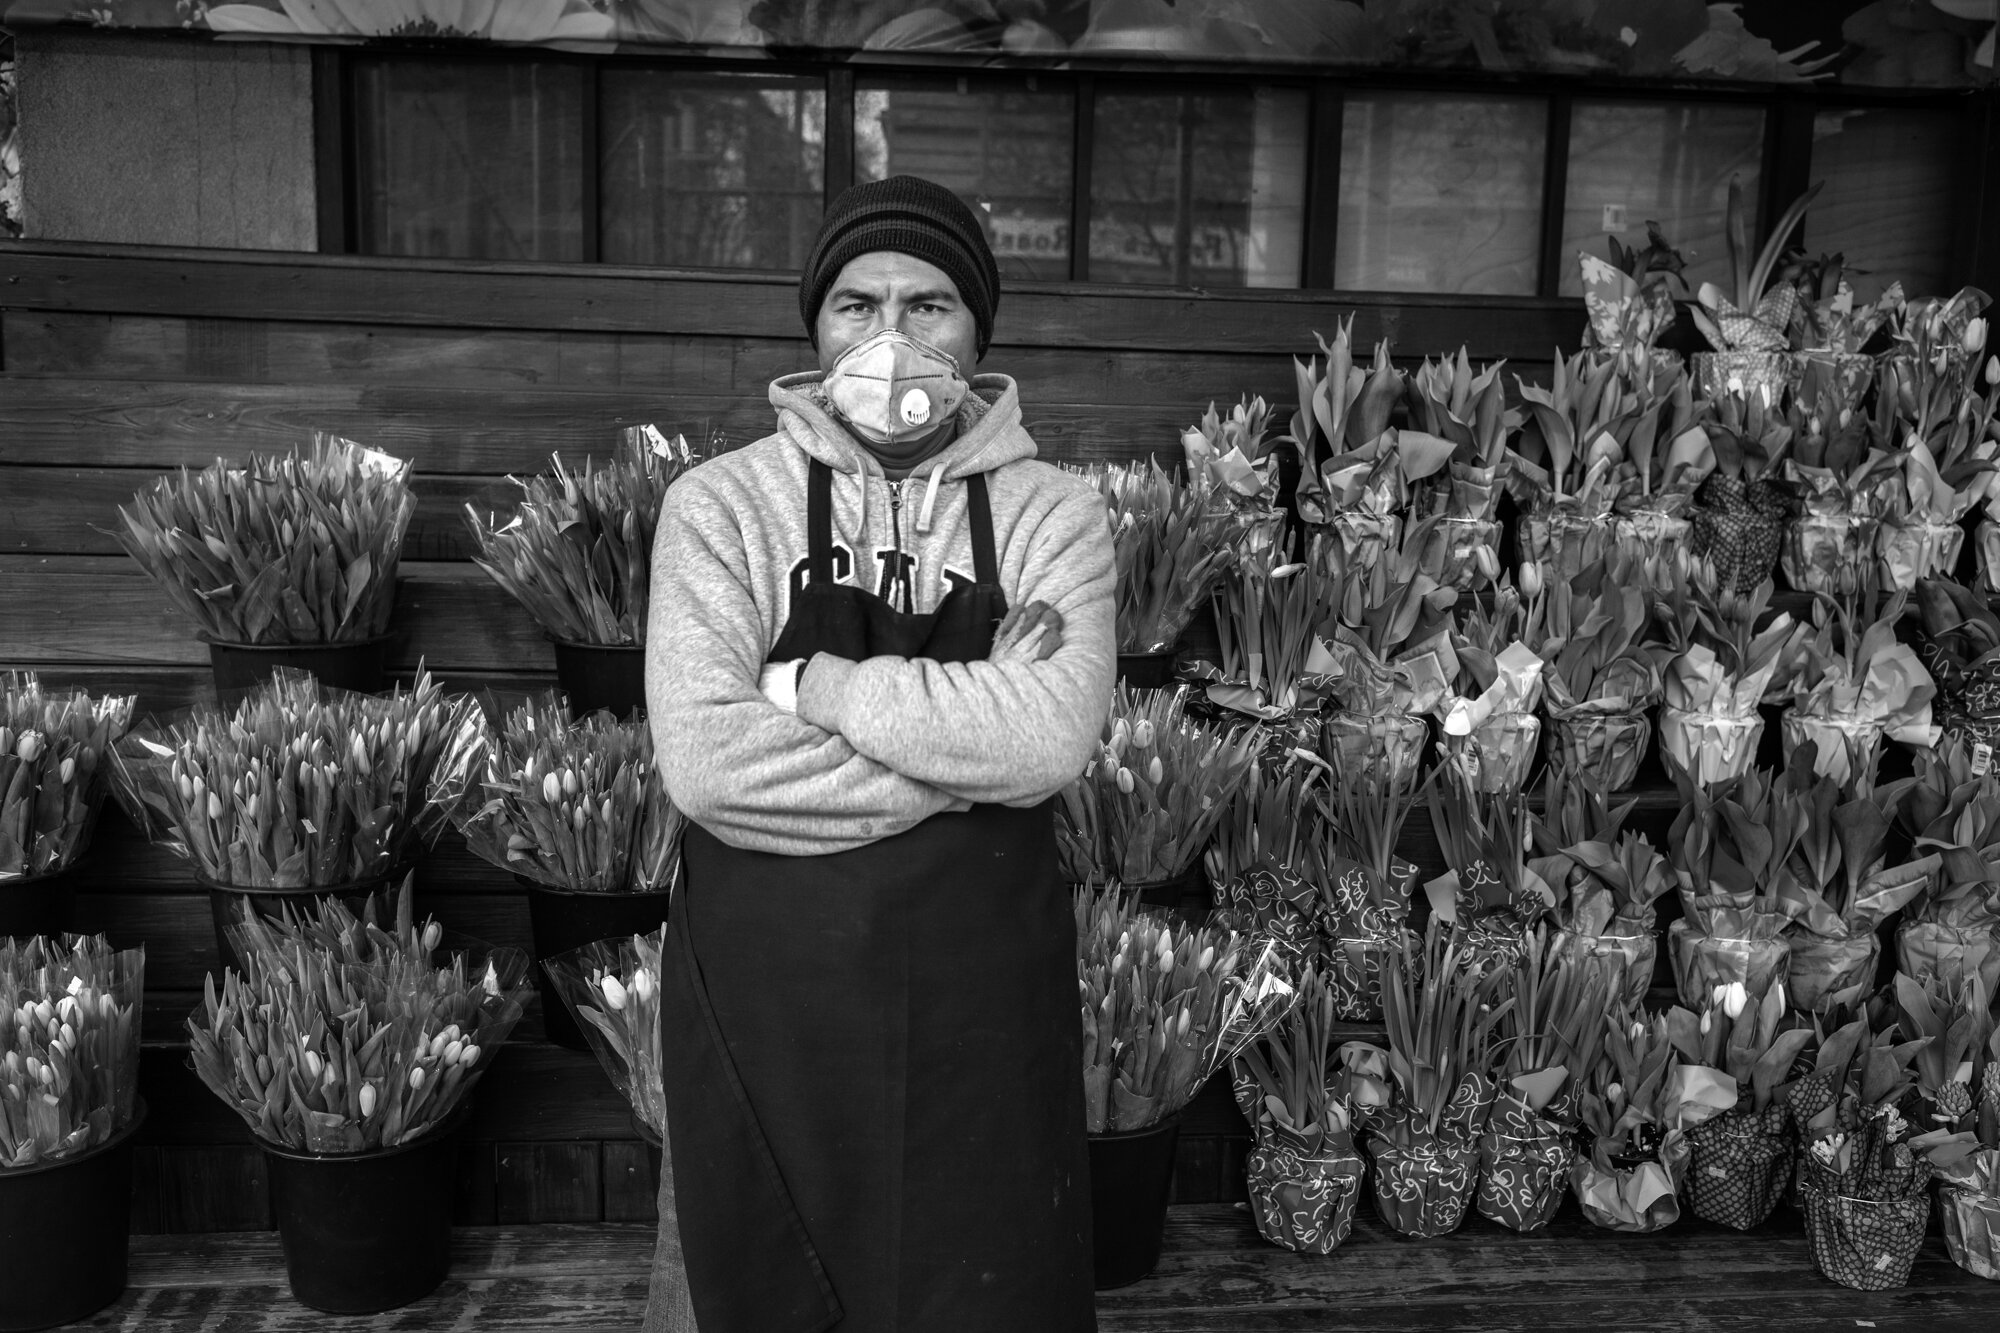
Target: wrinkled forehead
x=892, y=276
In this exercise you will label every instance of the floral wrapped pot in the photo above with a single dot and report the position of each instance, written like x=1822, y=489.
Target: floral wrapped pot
x=1632, y=956
x=1303, y=1197
x=1649, y=538
x=1739, y=1166
x=1353, y=968
x=1918, y=549
x=1525, y=1157
x=1423, y=1193
x=1828, y=553
x=1764, y=373
x=1867, y=1244
x=1608, y=746
x=1620, y=1193
x=1821, y=966
x=1714, y=747
x=1755, y=953
x=1737, y=529
x=1391, y=744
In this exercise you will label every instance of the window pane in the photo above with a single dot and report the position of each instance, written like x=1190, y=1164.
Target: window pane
x=1670, y=163
x=711, y=170
x=1886, y=207
x=471, y=160
x=1006, y=148
x=1440, y=194
x=1200, y=190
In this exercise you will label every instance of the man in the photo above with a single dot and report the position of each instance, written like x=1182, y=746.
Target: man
x=881, y=640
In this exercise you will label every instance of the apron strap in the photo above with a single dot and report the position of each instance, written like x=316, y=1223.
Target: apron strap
x=819, y=522
x=985, y=568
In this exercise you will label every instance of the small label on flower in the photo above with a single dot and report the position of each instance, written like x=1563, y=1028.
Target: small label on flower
x=387, y=466
x=1982, y=758
x=656, y=441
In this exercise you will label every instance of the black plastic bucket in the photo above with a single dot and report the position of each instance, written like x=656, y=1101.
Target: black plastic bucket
x=1131, y=1176
x=229, y=905
x=361, y=665
x=1185, y=894
x=38, y=905
x=1147, y=671
x=596, y=675
x=366, y=1232
x=63, y=1229
x=561, y=921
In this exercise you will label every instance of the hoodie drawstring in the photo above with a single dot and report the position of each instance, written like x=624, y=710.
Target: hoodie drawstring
x=930, y=499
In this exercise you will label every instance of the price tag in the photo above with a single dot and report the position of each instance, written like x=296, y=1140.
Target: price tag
x=387, y=466
x=1982, y=759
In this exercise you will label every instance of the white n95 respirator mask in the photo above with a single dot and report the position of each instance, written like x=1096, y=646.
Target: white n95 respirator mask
x=893, y=387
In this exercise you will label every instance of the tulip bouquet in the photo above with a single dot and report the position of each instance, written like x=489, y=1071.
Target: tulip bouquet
x=1731, y=849
x=283, y=550
x=1740, y=507
x=1269, y=619
x=1491, y=895
x=1304, y=1172
x=1748, y=324
x=1630, y=299
x=1720, y=667
x=1960, y=1079
x=1393, y=660
x=1257, y=862
x=1841, y=883
x=1601, y=672
x=1863, y=1185
x=1491, y=729
x=1606, y=879
x=1441, y=1016
x=1856, y=684
x=297, y=785
x=576, y=805
x=1832, y=327
x=53, y=772
x=1960, y=647
x=1565, y=469
x=1234, y=463
x=612, y=988
x=1929, y=371
x=577, y=552
x=1952, y=807
x=1164, y=1007
x=69, y=1046
x=1457, y=505
x=1741, y=1055
x=1169, y=546
x=1363, y=886
x=1844, y=485
x=1667, y=455
x=1554, y=1027
x=1144, y=809
x=1637, y=1104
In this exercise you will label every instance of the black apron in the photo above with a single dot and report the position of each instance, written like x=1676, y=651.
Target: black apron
x=873, y=1059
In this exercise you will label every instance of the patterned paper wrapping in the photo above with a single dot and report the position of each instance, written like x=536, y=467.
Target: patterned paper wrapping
x=1845, y=746
x=1828, y=553
x=1423, y=1193
x=1738, y=527
x=1822, y=964
x=1650, y=539
x=1919, y=549
x=1743, y=372
x=1971, y=1228
x=1639, y=1197
x=1927, y=949
x=1863, y=1243
x=1608, y=746
x=1740, y=1163
x=1712, y=747
x=1634, y=955
x=1302, y=1201
x=1563, y=539
x=1524, y=1162
x=1987, y=535
x=1499, y=753
x=1366, y=536
x=1703, y=962
x=1388, y=744
x=1352, y=969
x=1850, y=373
x=1460, y=552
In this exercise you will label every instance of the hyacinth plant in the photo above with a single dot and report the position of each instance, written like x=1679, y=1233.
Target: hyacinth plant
x=292, y=549
x=1169, y=545
x=1726, y=655
x=574, y=805
x=1143, y=810
x=1952, y=807
x=577, y=551
x=1602, y=673
x=1731, y=848
x=1959, y=1077
x=297, y=785
x=344, y=1036
x=1460, y=543
x=69, y=1046
x=1364, y=886
x=54, y=771
x=1606, y=880
x=1259, y=861
x=1163, y=1007
x=612, y=988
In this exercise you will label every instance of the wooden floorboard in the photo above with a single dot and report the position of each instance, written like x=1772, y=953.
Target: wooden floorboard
x=1216, y=1276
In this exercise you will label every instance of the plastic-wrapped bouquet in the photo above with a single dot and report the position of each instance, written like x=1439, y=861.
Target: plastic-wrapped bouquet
x=1952, y=807
x=69, y=1046
x=1637, y=1103
x=577, y=552
x=1721, y=667
x=1490, y=895
x=1164, y=1007
x=292, y=549
x=1855, y=684
x=612, y=988
x=1169, y=542
x=1844, y=486
x=1269, y=618
x=1491, y=729
x=1234, y=461
x=1606, y=880
x=54, y=772
x=1601, y=672
x=1456, y=507
x=1731, y=851
x=1565, y=470
x=1393, y=660
x=341, y=1036
x=1667, y=455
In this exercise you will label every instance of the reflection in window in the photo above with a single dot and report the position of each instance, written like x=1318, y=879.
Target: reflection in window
x=1005, y=147
x=710, y=170
x=1202, y=190
x=471, y=160
x=1440, y=194
x=1665, y=162
x=1887, y=203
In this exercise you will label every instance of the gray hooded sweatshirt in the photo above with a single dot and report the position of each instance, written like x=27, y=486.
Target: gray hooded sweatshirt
x=875, y=747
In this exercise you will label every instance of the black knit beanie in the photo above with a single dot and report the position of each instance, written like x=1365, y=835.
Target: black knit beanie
x=912, y=216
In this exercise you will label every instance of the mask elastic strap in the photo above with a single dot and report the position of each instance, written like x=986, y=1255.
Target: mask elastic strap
x=930, y=498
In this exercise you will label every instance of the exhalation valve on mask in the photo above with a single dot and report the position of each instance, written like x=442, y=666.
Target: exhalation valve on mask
x=891, y=387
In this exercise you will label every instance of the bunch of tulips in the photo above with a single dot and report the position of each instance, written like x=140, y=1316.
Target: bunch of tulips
x=52, y=770
x=613, y=989
x=69, y=1046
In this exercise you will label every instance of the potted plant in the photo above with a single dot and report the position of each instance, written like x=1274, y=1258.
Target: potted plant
x=1491, y=730
x=1720, y=668
x=282, y=562
x=576, y=812
x=1554, y=1026
x=1169, y=544
x=577, y=553
x=69, y=1107
x=1961, y=1079
x=54, y=771
x=1855, y=684
x=1490, y=895
x=1456, y=508
x=1630, y=300
x=1259, y=861
x=611, y=989
x=1830, y=329
x=1163, y=1008
x=1391, y=661
x=1731, y=851
x=1865, y=1190
x=1952, y=807
x=1959, y=644
x=1303, y=1171
x=1740, y=509
x=1144, y=808
x=1928, y=369
x=1364, y=886
x=1667, y=454
x=1602, y=675
x=1844, y=486
x=1636, y=1107
x=1269, y=619
x=1235, y=462
x=1606, y=881
x=349, y=1049
x=1741, y=1159
x=296, y=791
x=1564, y=472
x=1747, y=326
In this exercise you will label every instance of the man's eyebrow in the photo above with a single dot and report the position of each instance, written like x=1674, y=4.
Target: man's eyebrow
x=934, y=295
x=931, y=295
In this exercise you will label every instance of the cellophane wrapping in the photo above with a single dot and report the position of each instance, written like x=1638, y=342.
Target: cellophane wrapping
x=1712, y=747
x=1608, y=746
x=1366, y=536
x=612, y=989
x=1927, y=949
x=1757, y=957
x=1969, y=1207
x=1639, y=1197
x=69, y=1045
x=1649, y=536
x=1845, y=747
x=1829, y=553
x=1917, y=549
x=1389, y=745
x=1500, y=752
x=1302, y=1197
x=1739, y=1166
x=1987, y=538
x=1822, y=965
x=1458, y=551
x=1563, y=539
x=1635, y=957
x=1525, y=1157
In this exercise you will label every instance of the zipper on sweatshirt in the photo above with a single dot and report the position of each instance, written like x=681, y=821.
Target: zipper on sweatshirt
x=896, y=532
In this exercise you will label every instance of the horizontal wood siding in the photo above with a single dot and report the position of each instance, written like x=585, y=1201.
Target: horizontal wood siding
x=119, y=364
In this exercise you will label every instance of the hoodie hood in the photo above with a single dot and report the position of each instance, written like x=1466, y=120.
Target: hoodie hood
x=989, y=428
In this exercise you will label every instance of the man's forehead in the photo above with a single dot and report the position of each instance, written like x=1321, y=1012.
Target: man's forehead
x=893, y=273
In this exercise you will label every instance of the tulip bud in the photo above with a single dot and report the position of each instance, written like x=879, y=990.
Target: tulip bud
x=1529, y=577
x=1719, y=993
x=453, y=1051
x=30, y=747
x=614, y=992
x=1737, y=998
x=551, y=788
x=433, y=932
x=1993, y=370
x=1974, y=340
x=1156, y=772
x=1707, y=1021
x=1142, y=734
x=1125, y=783
x=367, y=1100
x=417, y=1077
x=643, y=984
x=67, y=769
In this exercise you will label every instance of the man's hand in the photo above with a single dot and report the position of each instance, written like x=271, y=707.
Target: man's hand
x=1030, y=633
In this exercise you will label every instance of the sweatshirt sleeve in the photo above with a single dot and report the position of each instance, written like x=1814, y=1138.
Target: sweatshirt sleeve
x=1002, y=732
x=752, y=774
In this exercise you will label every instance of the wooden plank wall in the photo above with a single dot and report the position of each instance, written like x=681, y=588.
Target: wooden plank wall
x=117, y=363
